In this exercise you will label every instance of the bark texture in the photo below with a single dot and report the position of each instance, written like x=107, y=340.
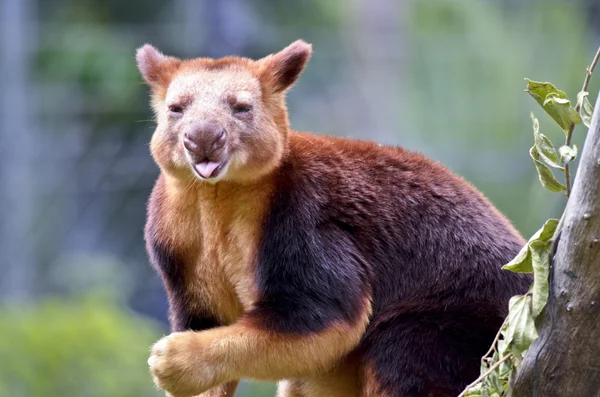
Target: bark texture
x=565, y=360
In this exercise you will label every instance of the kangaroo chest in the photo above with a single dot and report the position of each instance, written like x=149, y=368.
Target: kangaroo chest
x=223, y=272
x=218, y=232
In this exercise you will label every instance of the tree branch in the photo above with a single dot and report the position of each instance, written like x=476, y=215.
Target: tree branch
x=586, y=83
x=565, y=359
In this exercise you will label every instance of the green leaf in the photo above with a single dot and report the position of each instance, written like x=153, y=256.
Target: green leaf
x=540, y=245
x=540, y=258
x=534, y=256
x=504, y=371
x=546, y=232
x=554, y=102
x=491, y=384
x=474, y=391
x=588, y=107
x=545, y=174
x=544, y=145
x=520, y=330
x=567, y=153
x=585, y=108
x=554, y=98
x=504, y=343
x=522, y=263
x=485, y=389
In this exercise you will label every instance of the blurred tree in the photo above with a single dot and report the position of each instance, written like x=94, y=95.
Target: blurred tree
x=17, y=139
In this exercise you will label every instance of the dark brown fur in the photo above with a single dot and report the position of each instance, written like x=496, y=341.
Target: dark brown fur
x=344, y=267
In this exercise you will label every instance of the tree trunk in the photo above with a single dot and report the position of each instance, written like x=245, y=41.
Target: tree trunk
x=565, y=360
x=17, y=179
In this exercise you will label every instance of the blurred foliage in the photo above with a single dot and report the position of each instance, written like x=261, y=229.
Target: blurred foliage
x=315, y=13
x=96, y=63
x=86, y=346
x=255, y=389
x=467, y=64
x=79, y=273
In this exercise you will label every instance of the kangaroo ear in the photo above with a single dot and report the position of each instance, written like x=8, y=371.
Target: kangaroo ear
x=156, y=69
x=279, y=71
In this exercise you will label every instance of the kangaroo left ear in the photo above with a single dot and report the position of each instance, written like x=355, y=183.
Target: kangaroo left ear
x=156, y=68
x=281, y=70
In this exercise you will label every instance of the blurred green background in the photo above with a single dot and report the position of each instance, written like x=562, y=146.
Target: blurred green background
x=79, y=304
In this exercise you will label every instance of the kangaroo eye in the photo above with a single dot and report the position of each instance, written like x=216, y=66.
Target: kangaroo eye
x=177, y=109
x=241, y=108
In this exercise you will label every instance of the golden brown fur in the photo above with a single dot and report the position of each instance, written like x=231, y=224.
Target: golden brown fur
x=186, y=362
x=340, y=381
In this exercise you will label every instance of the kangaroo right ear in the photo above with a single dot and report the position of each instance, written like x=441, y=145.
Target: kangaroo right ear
x=156, y=69
x=281, y=70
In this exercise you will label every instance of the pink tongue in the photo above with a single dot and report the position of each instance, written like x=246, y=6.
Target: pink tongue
x=206, y=168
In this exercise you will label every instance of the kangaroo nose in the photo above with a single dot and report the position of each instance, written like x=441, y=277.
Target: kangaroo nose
x=204, y=141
